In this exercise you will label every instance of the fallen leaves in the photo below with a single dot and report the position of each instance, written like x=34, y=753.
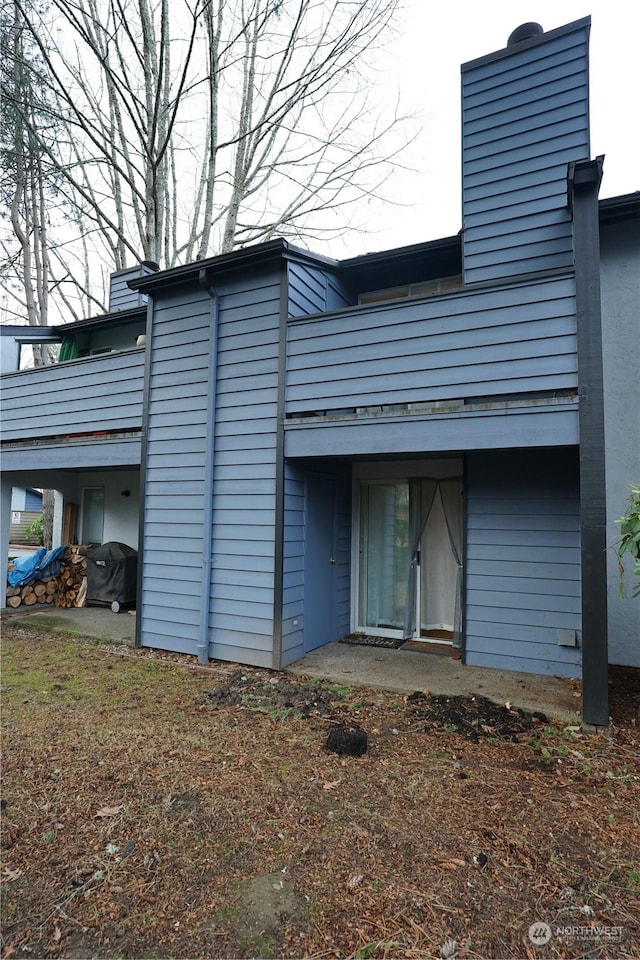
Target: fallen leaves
x=109, y=811
x=382, y=852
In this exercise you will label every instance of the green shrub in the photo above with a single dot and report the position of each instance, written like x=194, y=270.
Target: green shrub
x=35, y=532
x=630, y=537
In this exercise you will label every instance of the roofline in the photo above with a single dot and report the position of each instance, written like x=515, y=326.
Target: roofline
x=611, y=209
x=507, y=51
x=123, y=316
x=399, y=253
x=28, y=333
x=267, y=252
x=624, y=207
x=272, y=250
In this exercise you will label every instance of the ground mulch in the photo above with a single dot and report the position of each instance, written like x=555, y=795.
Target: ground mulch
x=153, y=807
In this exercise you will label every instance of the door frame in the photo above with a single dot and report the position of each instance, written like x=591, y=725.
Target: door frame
x=388, y=471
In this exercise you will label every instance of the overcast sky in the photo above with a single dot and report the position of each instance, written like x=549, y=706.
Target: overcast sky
x=439, y=35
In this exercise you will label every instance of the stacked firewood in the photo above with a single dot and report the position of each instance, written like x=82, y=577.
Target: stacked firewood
x=67, y=589
x=72, y=579
x=38, y=591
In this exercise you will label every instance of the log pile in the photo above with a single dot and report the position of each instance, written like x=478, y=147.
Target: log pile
x=67, y=589
x=39, y=591
x=72, y=579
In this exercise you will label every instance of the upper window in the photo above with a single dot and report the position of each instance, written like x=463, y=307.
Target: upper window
x=426, y=288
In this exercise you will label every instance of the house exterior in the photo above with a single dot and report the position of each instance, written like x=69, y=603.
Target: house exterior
x=410, y=443
x=26, y=508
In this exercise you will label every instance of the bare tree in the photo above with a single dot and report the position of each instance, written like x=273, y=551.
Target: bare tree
x=193, y=129
x=24, y=181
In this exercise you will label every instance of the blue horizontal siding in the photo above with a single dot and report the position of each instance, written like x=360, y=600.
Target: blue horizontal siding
x=523, y=579
x=504, y=340
x=537, y=426
x=175, y=465
x=90, y=394
x=240, y=541
x=525, y=117
x=293, y=565
x=32, y=501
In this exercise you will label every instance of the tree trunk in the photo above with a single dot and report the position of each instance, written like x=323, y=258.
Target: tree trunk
x=47, y=518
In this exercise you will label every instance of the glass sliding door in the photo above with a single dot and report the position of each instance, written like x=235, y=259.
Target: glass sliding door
x=92, y=515
x=383, y=555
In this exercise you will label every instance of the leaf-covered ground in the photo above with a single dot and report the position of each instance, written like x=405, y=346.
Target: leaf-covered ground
x=153, y=808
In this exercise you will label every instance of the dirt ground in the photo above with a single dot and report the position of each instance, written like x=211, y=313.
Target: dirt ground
x=155, y=808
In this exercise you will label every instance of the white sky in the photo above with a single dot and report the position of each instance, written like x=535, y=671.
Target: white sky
x=442, y=34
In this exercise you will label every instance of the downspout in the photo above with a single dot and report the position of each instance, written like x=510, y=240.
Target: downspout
x=148, y=351
x=207, y=564
x=278, y=558
x=583, y=184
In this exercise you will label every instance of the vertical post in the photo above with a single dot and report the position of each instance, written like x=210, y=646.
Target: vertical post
x=58, y=519
x=584, y=182
x=148, y=356
x=278, y=559
x=5, y=525
x=203, y=642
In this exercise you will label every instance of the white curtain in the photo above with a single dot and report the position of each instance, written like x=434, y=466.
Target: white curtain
x=422, y=492
x=438, y=571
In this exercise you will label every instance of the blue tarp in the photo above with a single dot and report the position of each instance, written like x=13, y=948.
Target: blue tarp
x=36, y=566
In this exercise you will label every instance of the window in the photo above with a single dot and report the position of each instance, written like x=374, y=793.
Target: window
x=92, y=516
x=427, y=288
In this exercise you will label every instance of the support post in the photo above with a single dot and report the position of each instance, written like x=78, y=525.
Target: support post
x=583, y=182
x=5, y=527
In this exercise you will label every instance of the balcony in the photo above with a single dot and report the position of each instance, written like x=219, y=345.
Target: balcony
x=83, y=403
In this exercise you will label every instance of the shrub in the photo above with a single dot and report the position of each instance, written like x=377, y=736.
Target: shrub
x=35, y=532
x=630, y=536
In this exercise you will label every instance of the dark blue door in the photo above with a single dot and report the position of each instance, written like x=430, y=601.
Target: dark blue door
x=319, y=561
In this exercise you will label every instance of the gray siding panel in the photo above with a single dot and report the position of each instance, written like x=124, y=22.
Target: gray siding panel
x=240, y=542
x=481, y=343
x=620, y=289
x=553, y=424
x=525, y=117
x=241, y=610
x=106, y=392
x=313, y=289
x=173, y=530
x=92, y=454
x=293, y=578
x=522, y=569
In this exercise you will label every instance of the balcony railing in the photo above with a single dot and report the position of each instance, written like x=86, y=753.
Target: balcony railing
x=483, y=342
x=80, y=397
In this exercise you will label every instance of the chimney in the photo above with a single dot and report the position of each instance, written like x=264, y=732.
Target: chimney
x=120, y=296
x=525, y=118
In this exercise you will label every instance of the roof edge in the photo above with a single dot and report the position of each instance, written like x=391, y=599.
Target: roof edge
x=267, y=252
x=624, y=207
x=507, y=51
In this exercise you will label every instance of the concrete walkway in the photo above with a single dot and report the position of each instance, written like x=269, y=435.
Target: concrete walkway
x=409, y=670
x=98, y=622
x=402, y=670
